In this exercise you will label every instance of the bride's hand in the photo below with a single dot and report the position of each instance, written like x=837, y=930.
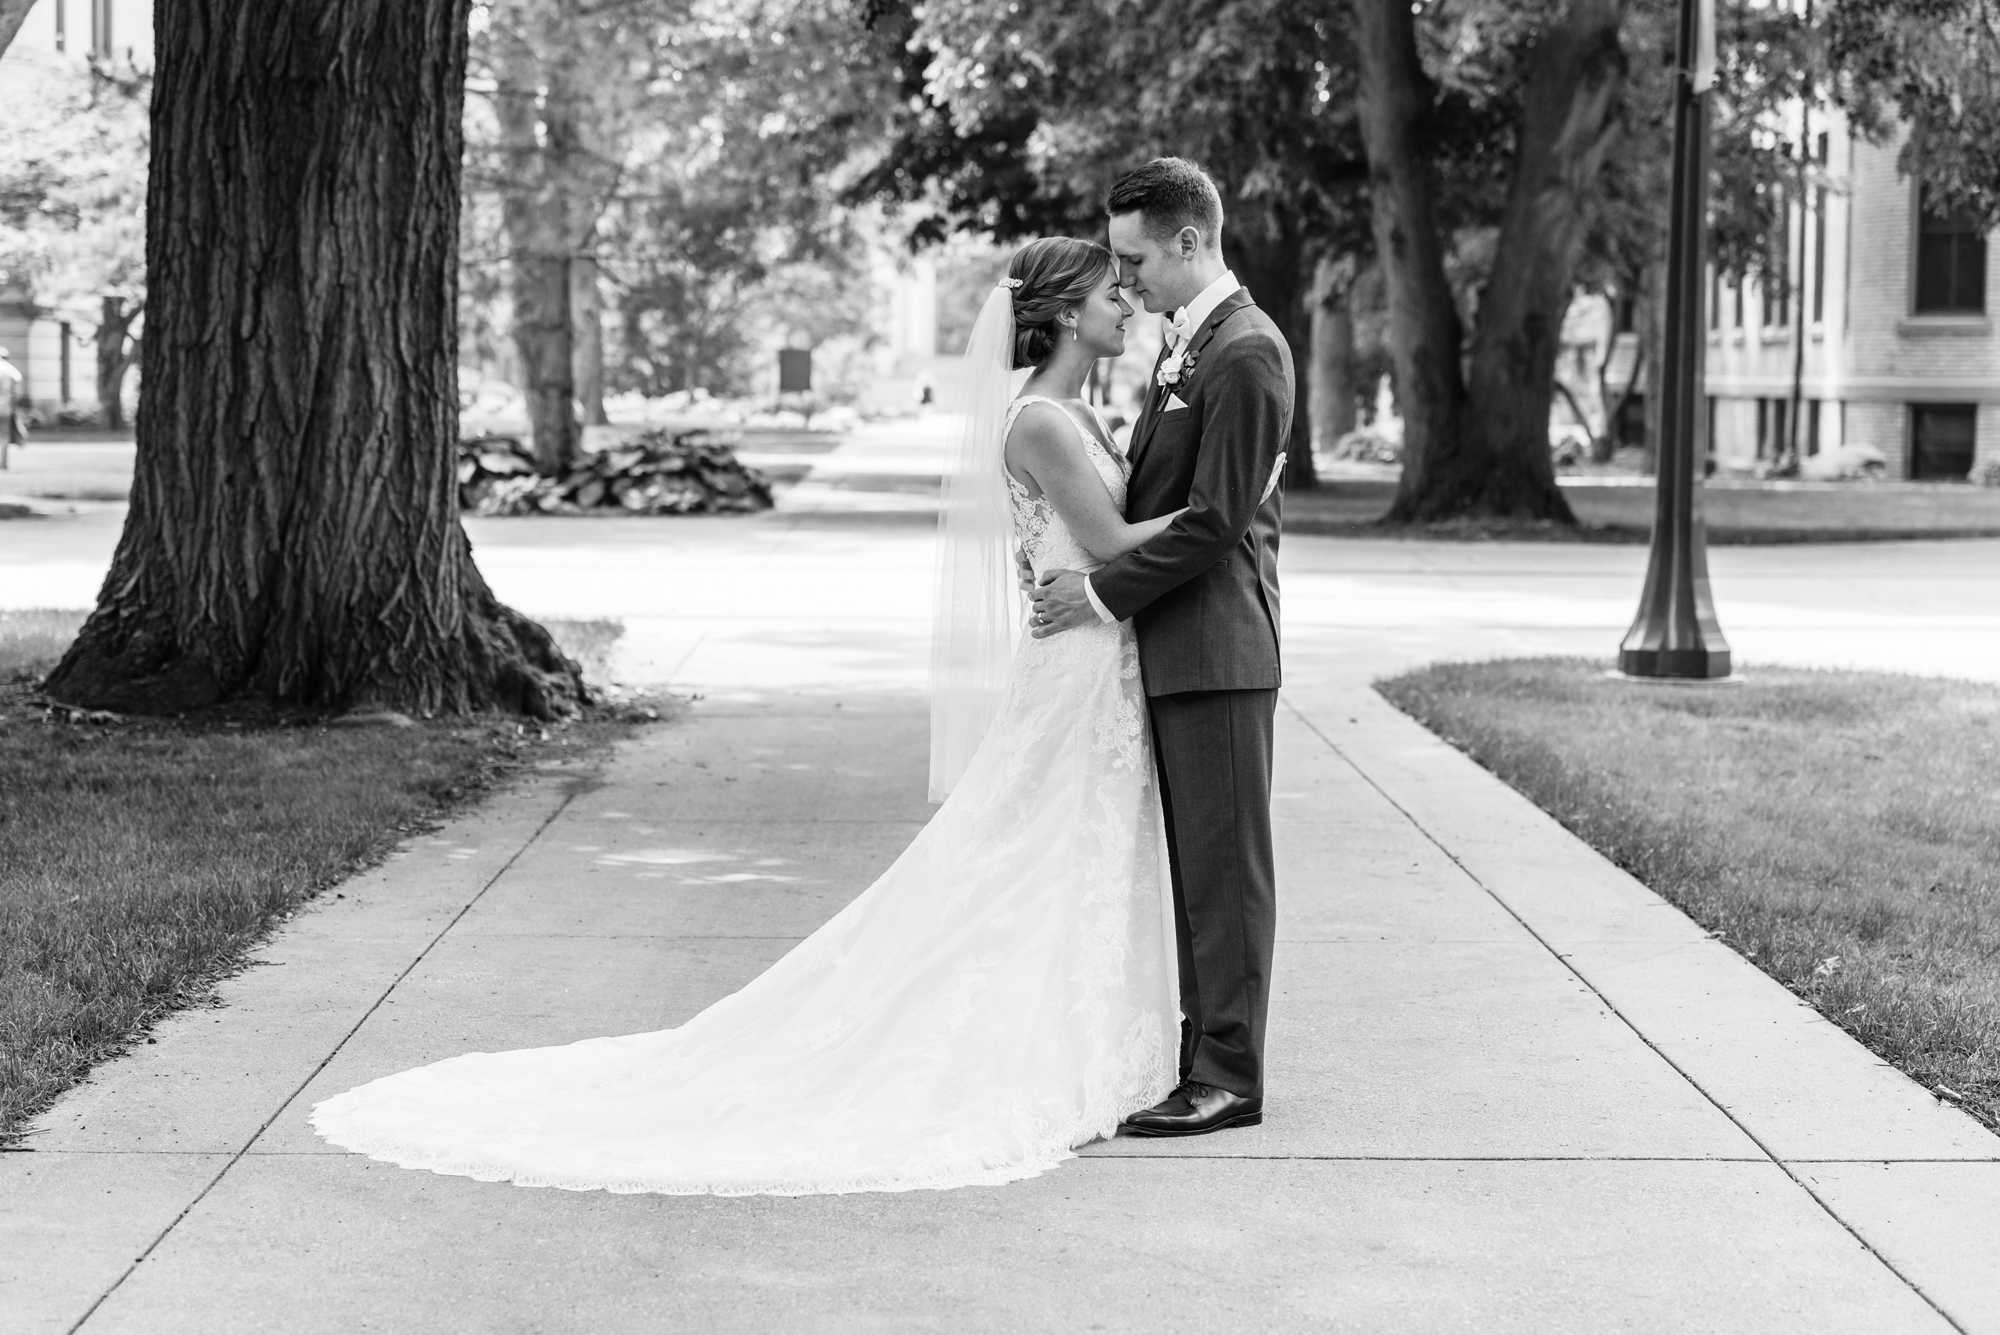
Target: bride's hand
x=1024, y=571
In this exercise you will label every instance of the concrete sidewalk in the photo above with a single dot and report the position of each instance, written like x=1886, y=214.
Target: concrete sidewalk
x=1511, y=1089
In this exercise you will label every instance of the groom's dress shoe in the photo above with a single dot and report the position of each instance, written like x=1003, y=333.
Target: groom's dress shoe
x=1196, y=1109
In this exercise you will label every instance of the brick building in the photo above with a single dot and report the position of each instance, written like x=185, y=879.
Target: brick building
x=1894, y=299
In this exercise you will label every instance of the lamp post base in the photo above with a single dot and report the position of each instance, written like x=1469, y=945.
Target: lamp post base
x=1675, y=664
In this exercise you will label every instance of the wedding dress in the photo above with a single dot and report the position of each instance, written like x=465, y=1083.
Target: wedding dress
x=1005, y=992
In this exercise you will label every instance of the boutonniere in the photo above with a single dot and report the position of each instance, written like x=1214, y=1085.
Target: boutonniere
x=1175, y=370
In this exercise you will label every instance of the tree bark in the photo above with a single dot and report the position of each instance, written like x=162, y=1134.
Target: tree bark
x=1569, y=120
x=11, y=14
x=116, y=347
x=1330, y=381
x=1269, y=259
x=1424, y=332
x=293, y=535
x=531, y=106
x=586, y=304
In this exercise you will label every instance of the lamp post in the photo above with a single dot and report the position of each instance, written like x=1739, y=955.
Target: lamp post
x=1675, y=635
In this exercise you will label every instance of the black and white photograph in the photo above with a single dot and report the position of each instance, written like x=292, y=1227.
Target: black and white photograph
x=999, y=666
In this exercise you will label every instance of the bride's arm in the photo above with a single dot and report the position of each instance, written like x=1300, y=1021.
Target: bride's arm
x=1043, y=449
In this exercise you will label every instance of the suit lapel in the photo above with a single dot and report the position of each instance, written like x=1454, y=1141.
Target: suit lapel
x=1225, y=308
x=1149, y=413
x=1156, y=394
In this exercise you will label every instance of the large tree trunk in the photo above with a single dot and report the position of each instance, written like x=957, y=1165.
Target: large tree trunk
x=1424, y=332
x=294, y=532
x=1330, y=381
x=11, y=14
x=1569, y=119
x=115, y=349
x=1269, y=259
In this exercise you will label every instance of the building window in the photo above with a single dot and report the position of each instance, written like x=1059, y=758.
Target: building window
x=1812, y=426
x=1951, y=261
x=1629, y=430
x=62, y=27
x=1739, y=300
x=1714, y=297
x=64, y=382
x=1819, y=243
x=1819, y=255
x=1625, y=315
x=1771, y=418
x=1777, y=278
x=1942, y=436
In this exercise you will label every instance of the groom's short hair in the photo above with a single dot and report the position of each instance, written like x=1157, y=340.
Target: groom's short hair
x=1169, y=194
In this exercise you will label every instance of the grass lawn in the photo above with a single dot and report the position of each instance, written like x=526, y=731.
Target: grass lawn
x=1840, y=829
x=1736, y=515
x=138, y=861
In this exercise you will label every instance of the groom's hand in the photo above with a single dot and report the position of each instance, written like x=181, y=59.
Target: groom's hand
x=1061, y=604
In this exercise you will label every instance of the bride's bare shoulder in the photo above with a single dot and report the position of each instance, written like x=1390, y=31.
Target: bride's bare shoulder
x=1040, y=424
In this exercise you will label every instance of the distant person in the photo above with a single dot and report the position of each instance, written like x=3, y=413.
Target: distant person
x=926, y=390
x=11, y=381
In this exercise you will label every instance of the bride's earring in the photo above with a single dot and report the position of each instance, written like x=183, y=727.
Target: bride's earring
x=1072, y=333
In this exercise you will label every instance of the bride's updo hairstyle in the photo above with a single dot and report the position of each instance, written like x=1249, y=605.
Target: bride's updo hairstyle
x=1050, y=276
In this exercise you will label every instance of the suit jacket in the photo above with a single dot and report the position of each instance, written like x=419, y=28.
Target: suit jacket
x=1203, y=595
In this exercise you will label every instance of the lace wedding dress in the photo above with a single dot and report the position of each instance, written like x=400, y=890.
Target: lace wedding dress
x=1004, y=993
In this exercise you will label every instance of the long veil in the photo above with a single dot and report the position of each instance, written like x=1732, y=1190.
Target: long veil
x=977, y=615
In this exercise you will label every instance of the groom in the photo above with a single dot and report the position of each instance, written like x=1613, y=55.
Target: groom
x=1204, y=598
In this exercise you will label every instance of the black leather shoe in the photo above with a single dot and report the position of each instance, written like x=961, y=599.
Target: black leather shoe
x=1196, y=1109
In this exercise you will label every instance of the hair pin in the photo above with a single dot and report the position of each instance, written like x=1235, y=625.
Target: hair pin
x=1010, y=283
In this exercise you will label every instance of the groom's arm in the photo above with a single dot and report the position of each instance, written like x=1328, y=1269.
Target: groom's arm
x=1245, y=421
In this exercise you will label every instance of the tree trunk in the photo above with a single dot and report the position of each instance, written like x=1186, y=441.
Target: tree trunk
x=1424, y=332
x=115, y=349
x=544, y=338
x=535, y=214
x=293, y=534
x=1269, y=259
x=11, y=14
x=1569, y=119
x=1330, y=381
x=586, y=304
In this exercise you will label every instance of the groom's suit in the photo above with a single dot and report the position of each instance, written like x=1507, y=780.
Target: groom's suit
x=1203, y=597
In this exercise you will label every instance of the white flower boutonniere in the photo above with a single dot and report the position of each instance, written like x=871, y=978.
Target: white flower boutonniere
x=1175, y=370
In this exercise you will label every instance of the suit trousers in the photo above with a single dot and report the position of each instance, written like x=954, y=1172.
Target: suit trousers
x=1213, y=752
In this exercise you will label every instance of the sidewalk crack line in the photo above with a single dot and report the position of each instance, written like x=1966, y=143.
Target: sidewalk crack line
x=238, y=1155
x=1623, y=1018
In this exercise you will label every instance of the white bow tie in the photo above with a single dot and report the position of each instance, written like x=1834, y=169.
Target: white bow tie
x=1178, y=330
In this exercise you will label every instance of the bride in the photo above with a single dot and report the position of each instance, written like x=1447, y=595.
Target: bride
x=1006, y=991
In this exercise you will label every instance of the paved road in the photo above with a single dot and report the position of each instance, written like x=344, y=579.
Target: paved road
x=834, y=589
x=1511, y=1089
